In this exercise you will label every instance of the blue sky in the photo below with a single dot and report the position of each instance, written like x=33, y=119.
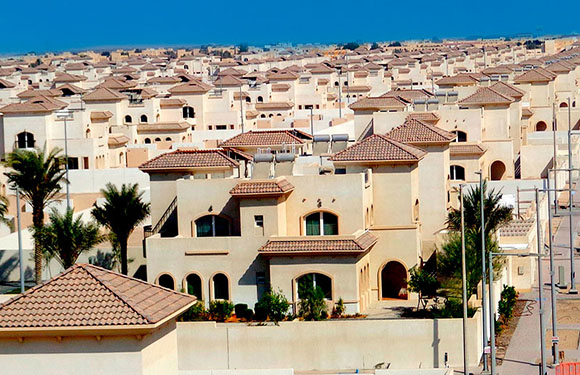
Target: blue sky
x=64, y=25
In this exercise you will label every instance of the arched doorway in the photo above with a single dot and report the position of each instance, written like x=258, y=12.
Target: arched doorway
x=394, y=281
x=497, y=170
x=541, y=126
x=194, y=285
x=166, y=280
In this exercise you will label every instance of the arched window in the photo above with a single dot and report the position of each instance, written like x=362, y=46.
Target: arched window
x=193, y=285
x=166, y=280
x=541, y=126
x=128, y=119
x=147, y=140
x=497, y=170
x=212, y=226
x=143, y=119
x=262, y=116
x=188, y=112
x=563, y=105
x=25, y=140
x=457, y=172
x=321, y=224
x=186, y=67
x=220, y=286
x=310, y=281
x=260, y=99
x=248, y=99
x=88, y=133
x=335, y=83
x=168, y=139
x=157, y=139
x=461, y=136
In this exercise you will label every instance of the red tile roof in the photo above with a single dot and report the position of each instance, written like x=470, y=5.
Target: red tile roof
x=461, y=148
x=89, y=296
x=378, y=104
x=429, y=117
x=379, y=148
x=263, y=138
x=269, y=187
x=508, y=90
x=189, y=159
x=486, y=95
x=38, y=104
x=319, y=245
x=416, y=132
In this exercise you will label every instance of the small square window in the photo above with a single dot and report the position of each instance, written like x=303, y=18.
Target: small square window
x=259, y=221
x=260, y=278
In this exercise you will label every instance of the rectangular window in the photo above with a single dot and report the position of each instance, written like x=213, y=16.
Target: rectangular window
x=260, y=278
x=313, y=225
x=340, y=171
x=221, y=127
x=259, y=221
x=86, y=162
x=73, y=163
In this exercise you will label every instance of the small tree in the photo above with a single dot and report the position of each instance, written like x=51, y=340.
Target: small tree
x=4, y=210
x=312, y=304
x=339, y=307
x=507, y=303
x=272, y=305
x=375, y=45
x=194, y=313
x=423, y=283
x=66, y=238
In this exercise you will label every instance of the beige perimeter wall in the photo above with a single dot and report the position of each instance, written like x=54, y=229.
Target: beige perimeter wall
x=337, y=344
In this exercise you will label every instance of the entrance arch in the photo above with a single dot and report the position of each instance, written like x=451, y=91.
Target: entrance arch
x=393, y=280
x=497, y=170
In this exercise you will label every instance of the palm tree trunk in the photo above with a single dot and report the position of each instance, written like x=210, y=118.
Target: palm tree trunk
x=124, y=261
x=37, y=222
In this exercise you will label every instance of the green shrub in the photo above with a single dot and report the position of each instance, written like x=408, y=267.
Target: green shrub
x=220, y=310
x=194, y=313
x=248, y=315
x=453, y=308
x=312, y=304
x=272, y=305
x=339, y=307
x=507, y=303
x=240, y=309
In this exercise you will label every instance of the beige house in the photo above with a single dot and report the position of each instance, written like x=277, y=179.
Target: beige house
x=92, y=321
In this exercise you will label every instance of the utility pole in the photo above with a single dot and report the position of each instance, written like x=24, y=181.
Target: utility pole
x=573, y=289
x=18, y=227
x=339, y=95
x=463, y=282
x=483, y=271
x=555, y=160
x=540, y=245
x=64, y=114
x=491, y=314
x=241, y=108
x=552, y=277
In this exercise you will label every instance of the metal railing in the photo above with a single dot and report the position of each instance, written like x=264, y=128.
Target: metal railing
x=148, y=232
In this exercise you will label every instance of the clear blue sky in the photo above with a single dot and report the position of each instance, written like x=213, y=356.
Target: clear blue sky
x=64, y=25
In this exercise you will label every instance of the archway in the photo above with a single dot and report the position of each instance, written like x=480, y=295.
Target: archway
x=563, y=105
x=193, y=285
x=497, y=170
x=541, y=126
x=166, y=280
x=394, y=281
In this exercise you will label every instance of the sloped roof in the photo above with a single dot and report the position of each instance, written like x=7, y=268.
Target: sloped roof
x=37, y=104
x=263, y=138
x=86, y=296
x=428, y=117
x=189, y=159
x=508, y=90
x=319, y=246
x=104, y=94
x=486, y=95
x=379, y=148
x=535, y=75
x=417, y=132
x=262, y=188
x=458, y=80
x=462, y=148
x=191, y=87
x=378, y=103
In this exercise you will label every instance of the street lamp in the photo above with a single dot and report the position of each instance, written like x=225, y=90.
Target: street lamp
x=552, y=276
x=311, y=108
x=65, y=114
x=540, y=295
x=483, y=271
x=463, y=280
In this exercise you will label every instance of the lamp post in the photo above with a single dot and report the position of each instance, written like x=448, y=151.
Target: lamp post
x=339, y=94
x=552, y=277
x=483, y=271
x=18, y=227
x=573, y=289
x=463, y=282
x=66, y=115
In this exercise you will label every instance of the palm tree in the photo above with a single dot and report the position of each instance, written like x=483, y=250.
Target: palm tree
x=38, y=175
x=66, y=238
x=3, y=210
x=121, y=213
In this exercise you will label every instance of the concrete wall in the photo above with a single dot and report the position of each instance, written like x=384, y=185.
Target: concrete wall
x=346, y=344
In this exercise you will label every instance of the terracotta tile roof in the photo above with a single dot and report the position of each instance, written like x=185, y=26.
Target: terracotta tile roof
x=379, y=148
x=486, y=95
x=461, y=148
x=163, y=80
x=103, y=94
x=282, y=75
x=31, y=93
x=261, y=188
x=263, y=138
x=408, y=95
x=172, y=102
x=117, y=140
x=162, y=127
x=189, y=159
x=429, y=117
x=228, y=81
x=500, y=69
x=101, y=115
x=516, y=228
x=86, y=296
x=280, y=87
x=4, y=84
x=274, y=105
x=116, y=84
x=507, y=90
x=67, y=77
x=232, y=72
x=526, y=112
x=458, y=80
x=36, y=104
x=357, y=88
x=535, y=75
x=378, y=103
x=192, y=87
x=322, y=245
x=416, y=132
